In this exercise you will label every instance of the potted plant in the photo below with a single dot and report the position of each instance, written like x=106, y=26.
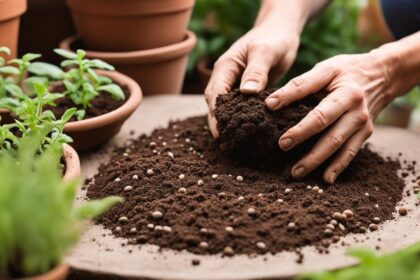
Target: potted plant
x=10, y=12
x=104, y=99
x=130, y=25
x=158, y=71
x=34, y=239
x=31, y=117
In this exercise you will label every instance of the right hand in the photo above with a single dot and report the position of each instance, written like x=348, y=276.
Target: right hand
x=262, y=54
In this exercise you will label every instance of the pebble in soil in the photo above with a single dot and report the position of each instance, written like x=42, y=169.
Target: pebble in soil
x=199, y=216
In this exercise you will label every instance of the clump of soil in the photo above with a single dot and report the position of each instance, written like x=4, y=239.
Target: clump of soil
x=182, y=192
x=250, y=131
x=100, y=105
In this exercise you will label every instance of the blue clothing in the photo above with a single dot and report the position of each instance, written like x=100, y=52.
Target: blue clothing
x=401, y=16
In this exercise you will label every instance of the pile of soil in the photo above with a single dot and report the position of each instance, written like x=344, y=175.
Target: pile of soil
x=250, y=132
x=182, y=192
x=100, y=105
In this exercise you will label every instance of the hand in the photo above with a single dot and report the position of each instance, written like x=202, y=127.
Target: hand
x=255, y=55
x=359, y=87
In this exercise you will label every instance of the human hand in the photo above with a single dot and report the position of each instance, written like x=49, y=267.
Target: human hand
x=254, y=56
x=358, y=87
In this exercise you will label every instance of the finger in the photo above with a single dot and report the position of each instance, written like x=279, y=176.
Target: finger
x=327, y=112
x=335, y=137
x=225, y=73
x=211, y=119
x=346, y=154
x=255, y=76
x=297, y=88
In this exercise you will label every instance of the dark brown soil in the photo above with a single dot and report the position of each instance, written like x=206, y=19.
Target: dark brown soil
x=249, y=131
x=100, y=105
x=204, y=212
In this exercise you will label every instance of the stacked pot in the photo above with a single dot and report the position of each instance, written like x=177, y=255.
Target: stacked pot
x=10, y=12
x=146, y=39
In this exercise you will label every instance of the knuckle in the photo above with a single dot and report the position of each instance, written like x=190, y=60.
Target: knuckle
x=363, y=117
x=369, y=128
x=259, y=47
x=351, y=154
x=336, y=141
x=357, y=95
x=255, y=72
x=297, y=82
x=320, y=119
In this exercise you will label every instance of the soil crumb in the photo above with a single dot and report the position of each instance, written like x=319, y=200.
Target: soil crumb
x=182, y=191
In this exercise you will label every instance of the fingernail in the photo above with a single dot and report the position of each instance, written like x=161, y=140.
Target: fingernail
x=333, y=176
x=298, y=172
x=272, y=102
x=249, y=87
x=286, y=143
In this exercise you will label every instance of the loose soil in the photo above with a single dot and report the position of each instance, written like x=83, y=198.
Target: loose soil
x=250, y=132
x=182, y=191
x=100, y=105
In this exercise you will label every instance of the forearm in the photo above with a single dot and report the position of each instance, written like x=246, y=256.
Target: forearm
x=401, y=62
x=292, y=14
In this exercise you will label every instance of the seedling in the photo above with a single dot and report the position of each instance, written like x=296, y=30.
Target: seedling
x=32, y=117
x=9, y=90
x=82, y=83
x=38, y=219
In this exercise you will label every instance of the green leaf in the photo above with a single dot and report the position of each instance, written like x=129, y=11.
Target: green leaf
x=93, y=209
x=29, y=82
x=31, y=56
x=9, y=70
x=115, y=91
x=81, y=54
x=14, y=90
x=65, y=53
x=46, y=69
x=68, y=114
x=5, y=50
x=67, y=63
x=97, y=63
x=80, y=114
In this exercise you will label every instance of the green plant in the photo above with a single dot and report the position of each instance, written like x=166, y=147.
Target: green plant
x=9, y=90
x=38, y=219
x=32, y=117
x=403, y=264
x=82, y=83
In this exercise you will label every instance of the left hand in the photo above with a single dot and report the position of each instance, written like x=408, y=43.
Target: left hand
x=358, y=88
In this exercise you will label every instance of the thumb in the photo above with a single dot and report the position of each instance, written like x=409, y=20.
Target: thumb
x=255, y=76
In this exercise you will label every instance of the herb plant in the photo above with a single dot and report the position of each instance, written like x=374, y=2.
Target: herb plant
x=38, y=219
x=82, y=83
x=403, y=264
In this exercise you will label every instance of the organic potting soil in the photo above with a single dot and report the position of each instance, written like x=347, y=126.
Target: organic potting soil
x=182, y=191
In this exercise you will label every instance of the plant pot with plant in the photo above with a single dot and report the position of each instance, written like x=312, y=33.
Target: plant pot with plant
x=10, y=12
x=158, y=71
x=31, y=176
x=130, y=25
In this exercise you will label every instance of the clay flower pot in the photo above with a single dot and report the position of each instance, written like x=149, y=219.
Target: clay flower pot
x=158, y=71
x=72, y=163
x=58, y=273
x=95, y=131
x=10, y=12
x=130, y=25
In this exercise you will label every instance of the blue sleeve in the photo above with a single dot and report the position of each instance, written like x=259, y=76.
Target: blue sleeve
x=401, y=16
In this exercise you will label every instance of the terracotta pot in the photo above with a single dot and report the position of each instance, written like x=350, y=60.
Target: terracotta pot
x=58, y=273
x=130, y=25
x=10, y=12
x=95, y=131
x=158, y=71
x=34, y=21
x=72, y=163
x=204, y=72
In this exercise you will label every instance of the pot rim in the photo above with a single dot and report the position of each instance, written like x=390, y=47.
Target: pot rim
x=10, y=9
x=72, y=162
x=155, y=55
x=129, y=8
x=55, y=273
x=124, y=110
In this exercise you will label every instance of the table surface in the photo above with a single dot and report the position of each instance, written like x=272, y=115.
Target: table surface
x=99, y=252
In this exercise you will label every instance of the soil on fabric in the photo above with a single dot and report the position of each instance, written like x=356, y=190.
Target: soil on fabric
x=250, y=132
x=182, y=191
x=100, y=105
